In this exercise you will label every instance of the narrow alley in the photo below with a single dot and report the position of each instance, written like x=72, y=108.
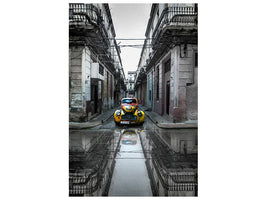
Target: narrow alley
x=133, y=99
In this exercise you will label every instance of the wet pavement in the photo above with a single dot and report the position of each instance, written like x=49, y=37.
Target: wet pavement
x=146, y=160
x=130, y=177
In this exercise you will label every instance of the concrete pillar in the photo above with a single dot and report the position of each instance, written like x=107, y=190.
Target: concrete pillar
x=174, y=76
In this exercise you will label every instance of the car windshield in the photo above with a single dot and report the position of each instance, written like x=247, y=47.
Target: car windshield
x=128, y=101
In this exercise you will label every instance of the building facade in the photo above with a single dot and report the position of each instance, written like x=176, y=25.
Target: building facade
x=96, y=77
x=120, y=79
x=167, y=71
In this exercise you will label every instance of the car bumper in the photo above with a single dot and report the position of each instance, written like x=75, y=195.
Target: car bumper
x=128, y=122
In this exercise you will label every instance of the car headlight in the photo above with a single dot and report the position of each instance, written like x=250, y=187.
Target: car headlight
x=139, y=113
x=118, y=113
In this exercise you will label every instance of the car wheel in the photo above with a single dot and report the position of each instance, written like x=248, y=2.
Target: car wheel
x=117, y=123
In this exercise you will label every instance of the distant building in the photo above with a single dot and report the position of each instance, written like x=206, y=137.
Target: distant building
x=130, y=83
x=167, y=71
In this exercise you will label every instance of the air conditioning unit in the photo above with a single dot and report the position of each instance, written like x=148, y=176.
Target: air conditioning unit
x=97, y=71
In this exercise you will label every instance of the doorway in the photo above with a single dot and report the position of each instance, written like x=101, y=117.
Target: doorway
x=168, y=97
x=94, y=98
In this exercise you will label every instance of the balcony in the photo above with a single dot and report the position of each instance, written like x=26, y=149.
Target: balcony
x=175, y=21
x=83, y=14
x=176, y=26
x=85, y=20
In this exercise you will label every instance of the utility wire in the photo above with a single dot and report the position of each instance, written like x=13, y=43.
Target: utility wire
x=126, y=38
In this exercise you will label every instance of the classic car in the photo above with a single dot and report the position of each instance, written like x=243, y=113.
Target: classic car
x=129, y=113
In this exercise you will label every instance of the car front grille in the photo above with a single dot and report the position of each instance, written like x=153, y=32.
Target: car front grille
x=128, y=116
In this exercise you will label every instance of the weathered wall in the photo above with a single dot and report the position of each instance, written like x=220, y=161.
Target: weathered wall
x=187, y=87
x=183, y=85
x=80, y=83
x=192, y=103
x=149, y=96
x=143, y=92
x=108, y=95
x=158, y=101
x=75, y=69
x=87, y=80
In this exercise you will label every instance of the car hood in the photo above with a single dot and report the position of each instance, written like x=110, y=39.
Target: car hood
x=128, y=108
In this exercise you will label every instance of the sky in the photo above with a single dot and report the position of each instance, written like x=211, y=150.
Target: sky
x=130, y=21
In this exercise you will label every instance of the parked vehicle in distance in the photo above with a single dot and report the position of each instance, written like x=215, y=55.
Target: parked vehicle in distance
x=129, y=113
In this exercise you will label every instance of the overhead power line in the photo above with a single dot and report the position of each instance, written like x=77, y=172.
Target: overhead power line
x=127, y=38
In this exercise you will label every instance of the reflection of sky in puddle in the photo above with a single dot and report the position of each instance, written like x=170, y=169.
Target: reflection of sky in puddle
x=130, y=176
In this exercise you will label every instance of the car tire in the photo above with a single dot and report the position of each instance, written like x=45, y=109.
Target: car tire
x=117, y=123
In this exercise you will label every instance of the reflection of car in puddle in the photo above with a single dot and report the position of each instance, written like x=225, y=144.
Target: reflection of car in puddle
x=129, y=137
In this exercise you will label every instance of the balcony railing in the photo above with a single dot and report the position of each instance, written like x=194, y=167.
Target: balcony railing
x=87, y=14
x=177, y=16
x=79, y=12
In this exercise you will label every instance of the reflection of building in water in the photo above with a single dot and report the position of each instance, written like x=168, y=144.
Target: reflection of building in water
x=91, y=163
x=129, y=137
x=181, y=141
x=171, y=162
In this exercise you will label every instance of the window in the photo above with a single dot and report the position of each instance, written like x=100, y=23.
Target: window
x=167, y=66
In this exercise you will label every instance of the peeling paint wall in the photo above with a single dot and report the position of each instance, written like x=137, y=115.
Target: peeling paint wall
x=80, y=84
x=183, y=85
x=187, y=87
x=108, y=90
x=76, y=77
x=87, y=79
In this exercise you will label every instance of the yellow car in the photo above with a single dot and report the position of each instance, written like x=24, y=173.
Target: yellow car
x=129, y=113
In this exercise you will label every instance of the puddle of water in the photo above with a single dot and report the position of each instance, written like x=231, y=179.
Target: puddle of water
x=133, y=162
x=130, y=177
x=172, y=161
x=91, y=162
